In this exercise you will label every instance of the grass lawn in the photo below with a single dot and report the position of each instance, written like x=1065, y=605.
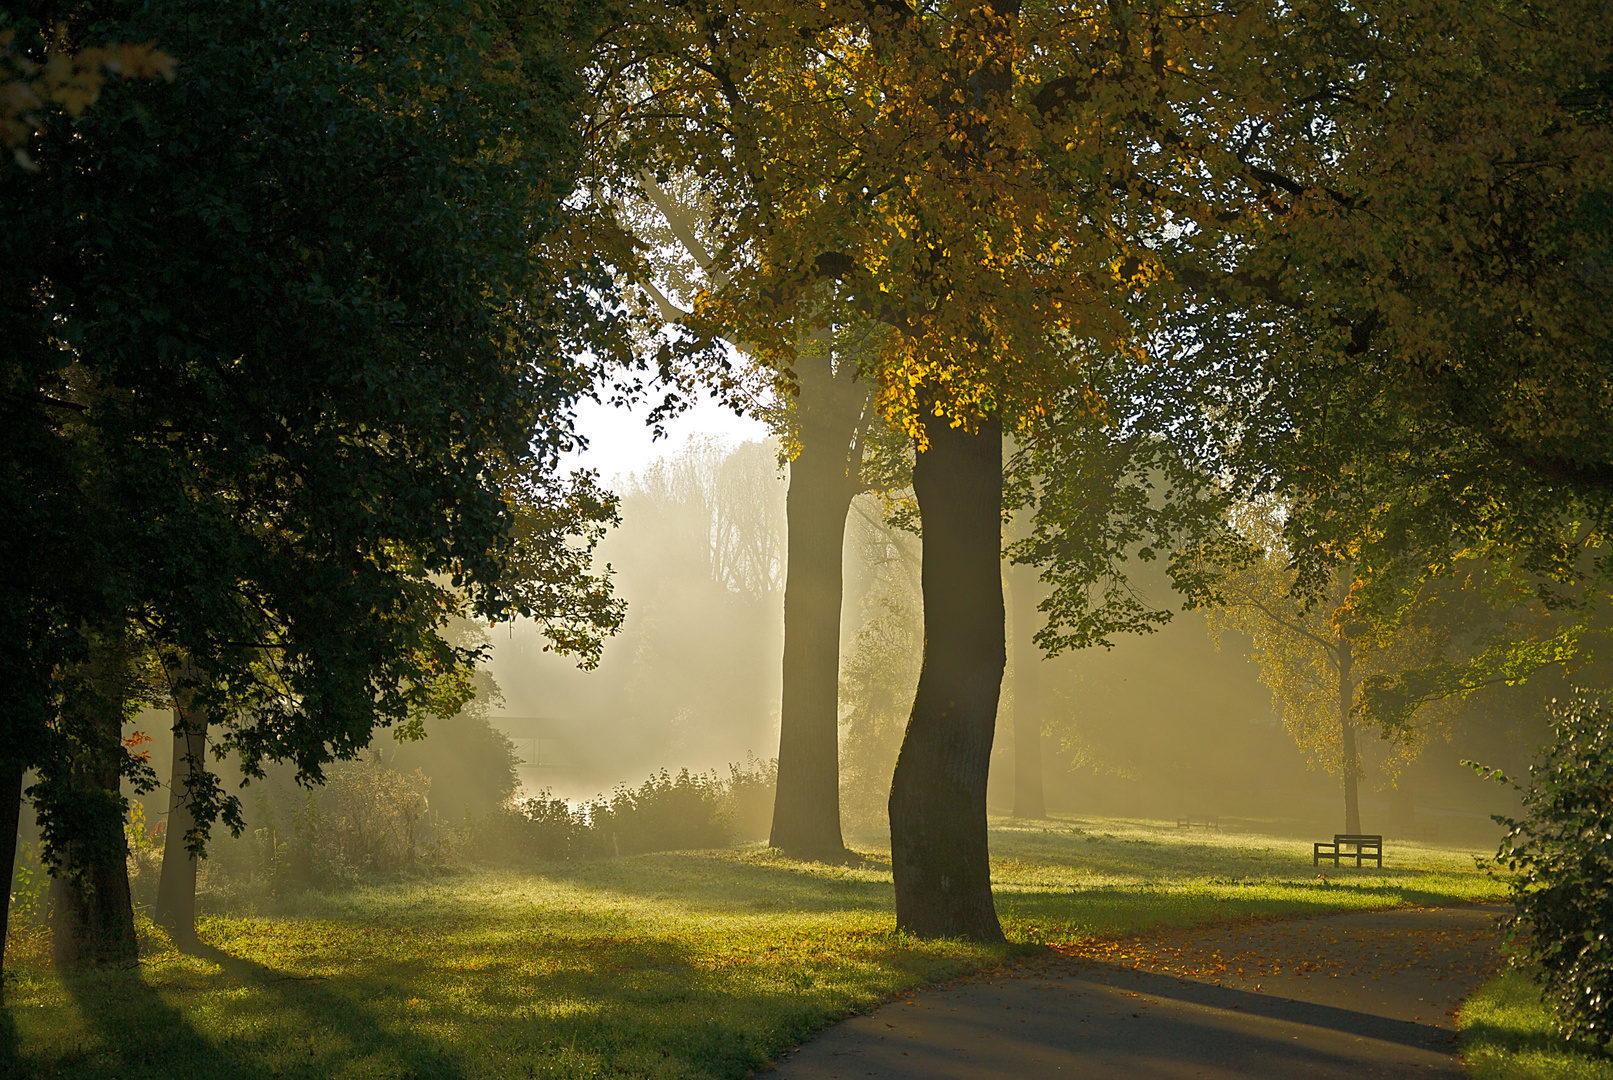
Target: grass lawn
x=1507, y=1035
x=691, y=964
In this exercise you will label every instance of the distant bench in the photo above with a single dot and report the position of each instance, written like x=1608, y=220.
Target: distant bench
x=1208, y=821
x=1346, y=846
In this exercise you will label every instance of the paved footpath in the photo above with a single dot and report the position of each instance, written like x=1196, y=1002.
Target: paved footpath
x=1346, y=997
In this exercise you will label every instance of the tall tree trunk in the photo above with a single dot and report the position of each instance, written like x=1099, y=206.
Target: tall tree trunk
x=939, y=853
x=92, y=913
x=1028, y=799
x=830, y=415
x=1352, y=761
x=176, y=889
x=11, y=774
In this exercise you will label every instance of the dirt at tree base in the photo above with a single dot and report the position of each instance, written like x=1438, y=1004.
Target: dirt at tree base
x=1350, y=996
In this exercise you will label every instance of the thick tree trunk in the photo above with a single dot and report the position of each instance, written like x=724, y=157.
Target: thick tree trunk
x=1352, y=759
x=830, y=415
x=1028, y=800
x=939, y=851
x=176, y=889
x=11, y=774
x=92, y=913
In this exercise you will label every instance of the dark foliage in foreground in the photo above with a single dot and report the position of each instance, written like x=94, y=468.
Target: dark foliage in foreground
x=1562, y=850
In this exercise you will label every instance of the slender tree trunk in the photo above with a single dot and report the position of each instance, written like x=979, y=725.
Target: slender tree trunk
x=1352, y=761
x=939, y=851
x=1028, y=800
x=806, y=809
x=830, y=416
x=11, y=774
x=176, y=889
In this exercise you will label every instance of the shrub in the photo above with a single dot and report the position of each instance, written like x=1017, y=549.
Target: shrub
x=30, y=889
x=542, y=827
x=370, y=815
x=750, y=791
x=145, y=854
x=366, y=820
x=665, y=813
x=1562, y=851
x=369, y=820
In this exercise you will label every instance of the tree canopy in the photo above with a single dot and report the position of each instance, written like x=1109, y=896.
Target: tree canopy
x=1409, y=311
x=294, y=357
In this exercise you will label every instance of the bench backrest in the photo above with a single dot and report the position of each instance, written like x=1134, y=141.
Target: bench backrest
x=1354, y=838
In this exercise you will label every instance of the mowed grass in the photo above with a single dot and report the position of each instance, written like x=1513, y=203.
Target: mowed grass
x=692, y=964
x=1507, y=1034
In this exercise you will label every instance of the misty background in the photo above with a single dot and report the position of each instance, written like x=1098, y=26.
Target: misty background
x=1161, y=726
x=1164, y=726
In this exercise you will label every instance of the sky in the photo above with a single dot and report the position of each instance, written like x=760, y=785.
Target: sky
x=619, y=443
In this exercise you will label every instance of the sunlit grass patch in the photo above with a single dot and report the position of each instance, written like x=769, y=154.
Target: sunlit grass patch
x=1070, y=878
x=691, y=964
x=1507, y=1035
x=682, y=965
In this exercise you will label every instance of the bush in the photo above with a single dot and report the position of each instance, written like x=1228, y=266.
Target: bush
x=1562, y=851
x=365, y=821
x=750, y=797
x=145, y=854
x=30, y=890
x=665, y=813
x=543, y=827
x=370, y=820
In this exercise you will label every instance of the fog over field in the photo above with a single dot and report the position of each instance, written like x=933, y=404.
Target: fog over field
x=1162, y=726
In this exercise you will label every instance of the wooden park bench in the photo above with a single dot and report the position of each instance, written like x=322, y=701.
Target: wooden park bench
x=1208, y=821
x=1360, y=847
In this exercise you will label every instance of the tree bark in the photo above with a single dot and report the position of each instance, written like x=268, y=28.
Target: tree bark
x=830, y=415
x=11, y=774
x=92, y=912
x=806, y=808
x=1028, y=797
x=939, y=855
x=1351, y=763
x=176, y=889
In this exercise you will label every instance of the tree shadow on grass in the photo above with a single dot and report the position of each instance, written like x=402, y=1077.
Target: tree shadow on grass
x=724, y=884
x=11, y=1063
x=1123, y=909
x=332, y=1022
x=623, y=1005
x=269, y=1024
x=134, y=1035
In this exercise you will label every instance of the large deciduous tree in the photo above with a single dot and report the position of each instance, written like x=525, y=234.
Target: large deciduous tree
x=987, y=181
x=293, y=364
x=1413, y=315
